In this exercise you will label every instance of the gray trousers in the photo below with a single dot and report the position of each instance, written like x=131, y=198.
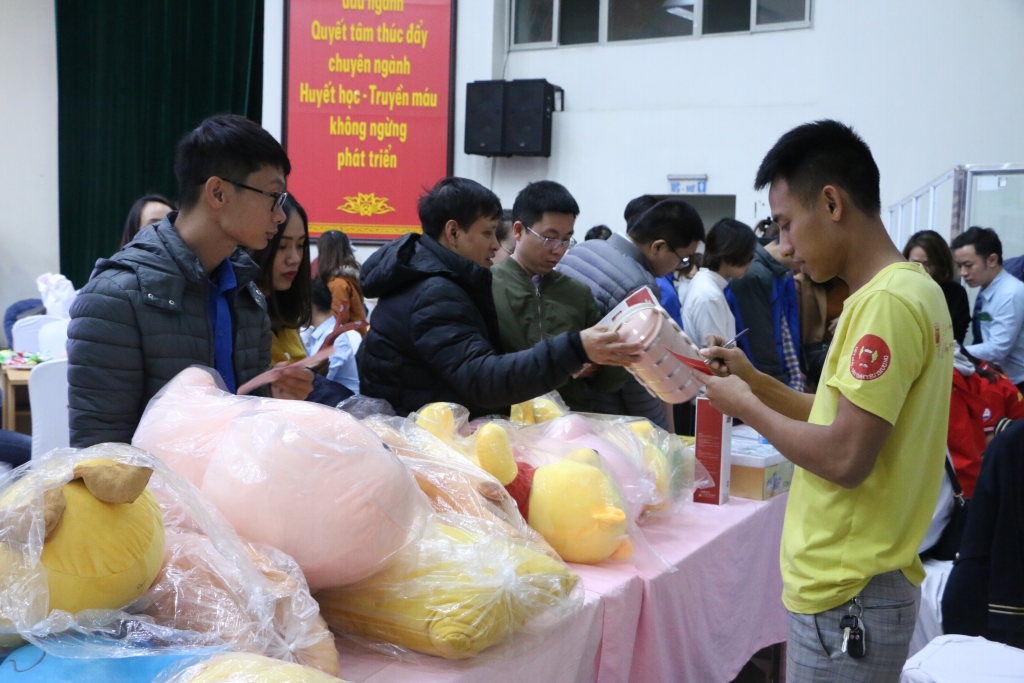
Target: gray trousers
x=813, y=651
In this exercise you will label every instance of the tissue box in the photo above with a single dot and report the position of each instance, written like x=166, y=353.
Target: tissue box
x=758, y=470
x=714, y=451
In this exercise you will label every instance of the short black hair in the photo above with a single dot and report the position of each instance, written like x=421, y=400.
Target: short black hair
x=534, y=200
x=729, y=241
x=827, y=152
x=598, y=232
x=132, y=223
x=636, y=208
x=672, y=220
x=320, y=296
x=228, y=146
x=456, y=199
x=504, y=225
x=984, y=240
x=290, y=308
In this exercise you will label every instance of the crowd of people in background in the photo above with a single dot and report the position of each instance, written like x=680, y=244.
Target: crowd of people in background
x=488, y=307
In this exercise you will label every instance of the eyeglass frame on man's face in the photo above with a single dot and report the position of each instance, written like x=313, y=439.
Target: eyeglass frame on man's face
x=549, y=241
x=684, y=261
x=279, y=197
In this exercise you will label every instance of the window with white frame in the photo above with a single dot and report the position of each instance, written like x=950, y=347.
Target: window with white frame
x=549, y=23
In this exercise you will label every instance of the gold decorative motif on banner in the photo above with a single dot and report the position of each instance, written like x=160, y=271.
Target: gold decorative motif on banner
x=366, y=205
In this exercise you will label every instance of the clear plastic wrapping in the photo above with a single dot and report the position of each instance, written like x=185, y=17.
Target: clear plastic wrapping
x=480, y=580
x=243, y=668
x=465, y=586
x=307, y=479
x=451, y=481
x=212, y=590
x=674, y=464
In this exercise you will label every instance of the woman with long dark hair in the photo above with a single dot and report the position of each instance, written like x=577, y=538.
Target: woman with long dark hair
x=285, y=280
x=931, y=251
x=147, y=210
x=338, y=268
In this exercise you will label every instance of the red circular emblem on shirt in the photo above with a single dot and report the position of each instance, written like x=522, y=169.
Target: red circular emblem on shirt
x=871, y=358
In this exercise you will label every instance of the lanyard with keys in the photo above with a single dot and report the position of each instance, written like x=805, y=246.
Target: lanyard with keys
x=854, y=643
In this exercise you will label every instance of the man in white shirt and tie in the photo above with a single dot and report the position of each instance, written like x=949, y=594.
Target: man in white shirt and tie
x=999, y=308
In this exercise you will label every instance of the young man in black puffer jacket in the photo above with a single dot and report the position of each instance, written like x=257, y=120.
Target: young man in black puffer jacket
x=182, y=293
x=434, y=333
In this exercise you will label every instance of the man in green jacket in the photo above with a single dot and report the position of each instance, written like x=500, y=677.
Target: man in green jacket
x=535, y=302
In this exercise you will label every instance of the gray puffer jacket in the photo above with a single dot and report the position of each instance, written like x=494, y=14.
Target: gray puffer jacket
x=613, y=269
x=142, y=319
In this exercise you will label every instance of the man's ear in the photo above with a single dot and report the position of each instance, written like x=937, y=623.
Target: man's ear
x=214, y=192
x=992, y=261
x=833, y=199
x=451, y=231
x=518, y=229
x=658, y=245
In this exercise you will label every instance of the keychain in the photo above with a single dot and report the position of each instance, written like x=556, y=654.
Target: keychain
x=854, y=643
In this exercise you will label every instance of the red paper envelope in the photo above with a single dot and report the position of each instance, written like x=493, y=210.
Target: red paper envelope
x=692, y=363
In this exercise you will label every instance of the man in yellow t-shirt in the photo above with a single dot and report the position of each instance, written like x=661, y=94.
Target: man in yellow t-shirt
x=869, y=446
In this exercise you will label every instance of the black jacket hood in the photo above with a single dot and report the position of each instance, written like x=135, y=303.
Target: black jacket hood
x=416, y=257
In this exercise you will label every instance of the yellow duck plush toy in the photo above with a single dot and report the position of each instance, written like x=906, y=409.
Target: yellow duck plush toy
x=238, y=667
x=572, y=503
x=453, y=594
x=104, y=538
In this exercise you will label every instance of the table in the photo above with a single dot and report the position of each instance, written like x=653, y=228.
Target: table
x=700, y=623
x=10, y=378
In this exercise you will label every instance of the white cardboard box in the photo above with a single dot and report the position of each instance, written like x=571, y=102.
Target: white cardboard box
x=714, y=451
x=758, y=470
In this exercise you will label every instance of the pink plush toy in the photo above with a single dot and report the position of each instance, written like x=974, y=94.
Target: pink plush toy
x=309, y=480
x=185, y=421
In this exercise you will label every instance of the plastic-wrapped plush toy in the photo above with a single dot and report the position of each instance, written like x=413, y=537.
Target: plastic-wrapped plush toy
x=200, y=590
x=83, y=534
x=104, y=534
x=564, y=493
x=246, y=668
x=452, y=481
x=463, y=587
x=124, y=577
x=304, y=478
x=539, y=410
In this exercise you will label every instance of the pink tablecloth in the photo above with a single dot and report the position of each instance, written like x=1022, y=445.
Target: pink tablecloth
x=700, y=623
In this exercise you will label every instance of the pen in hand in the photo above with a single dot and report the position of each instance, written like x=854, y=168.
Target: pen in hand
x=729, y=344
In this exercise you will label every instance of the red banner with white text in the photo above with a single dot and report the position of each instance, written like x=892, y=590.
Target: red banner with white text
x=367, y=126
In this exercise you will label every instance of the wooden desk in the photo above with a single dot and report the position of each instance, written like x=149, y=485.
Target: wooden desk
x=11, y=378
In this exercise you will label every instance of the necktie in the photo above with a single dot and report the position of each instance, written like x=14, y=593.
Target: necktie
x=976, y=320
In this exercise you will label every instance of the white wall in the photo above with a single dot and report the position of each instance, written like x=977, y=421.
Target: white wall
x=29, y=243
x=928, y=83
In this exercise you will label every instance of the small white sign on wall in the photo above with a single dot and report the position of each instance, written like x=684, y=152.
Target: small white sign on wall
x=688, y=184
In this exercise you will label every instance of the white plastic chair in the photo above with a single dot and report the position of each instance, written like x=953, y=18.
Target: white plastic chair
x=25, y=333
x=53, y=339
x=48, y=398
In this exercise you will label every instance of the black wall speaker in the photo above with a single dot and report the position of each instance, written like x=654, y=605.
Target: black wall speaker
x=484, y=106
x=509, y=118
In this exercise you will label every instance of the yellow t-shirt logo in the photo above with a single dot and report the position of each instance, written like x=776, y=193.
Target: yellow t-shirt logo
x=871, y=358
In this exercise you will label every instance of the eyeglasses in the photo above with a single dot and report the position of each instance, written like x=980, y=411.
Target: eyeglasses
x=684, y=261
x=279, y=197
x=552, y=244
